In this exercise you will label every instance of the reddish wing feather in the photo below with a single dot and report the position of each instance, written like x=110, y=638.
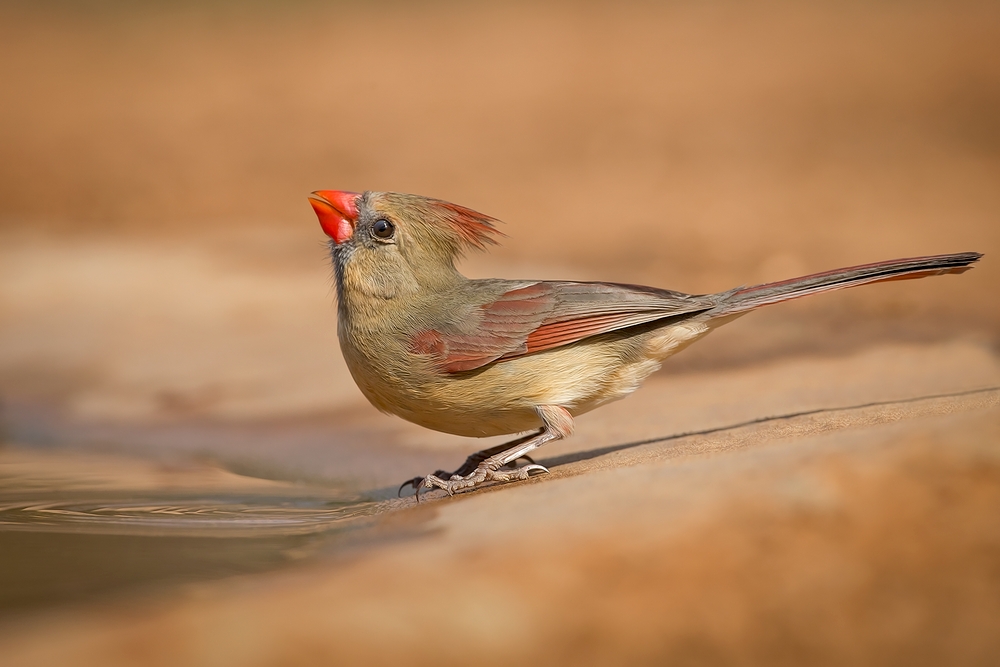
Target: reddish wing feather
x=546, y=315
x=555, y=334
x=504, y=326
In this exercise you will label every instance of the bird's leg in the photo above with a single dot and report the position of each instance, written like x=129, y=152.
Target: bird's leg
x=558, y=424
x=472, y=462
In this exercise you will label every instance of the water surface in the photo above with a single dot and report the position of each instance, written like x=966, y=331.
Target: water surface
x=79, y=525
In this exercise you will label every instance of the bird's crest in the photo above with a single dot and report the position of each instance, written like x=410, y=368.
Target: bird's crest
x=473, y=229
x=457, y=227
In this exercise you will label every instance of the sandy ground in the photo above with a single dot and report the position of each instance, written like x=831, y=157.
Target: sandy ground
x=817, y=483
x=865, y=535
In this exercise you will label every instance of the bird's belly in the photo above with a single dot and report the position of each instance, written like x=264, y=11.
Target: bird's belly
x=501, y=398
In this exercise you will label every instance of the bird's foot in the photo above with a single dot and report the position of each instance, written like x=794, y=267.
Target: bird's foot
x=487, y=471
x=499, y=463
x=469, y=467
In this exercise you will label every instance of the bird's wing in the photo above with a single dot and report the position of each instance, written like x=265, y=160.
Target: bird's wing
x=544, y=315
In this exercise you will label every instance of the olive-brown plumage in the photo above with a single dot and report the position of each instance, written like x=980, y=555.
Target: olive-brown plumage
x=492, y=357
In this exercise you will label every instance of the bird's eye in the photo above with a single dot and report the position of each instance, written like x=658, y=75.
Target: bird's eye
x=383, y=228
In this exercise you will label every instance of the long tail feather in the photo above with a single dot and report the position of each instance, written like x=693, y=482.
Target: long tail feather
x=748, y=298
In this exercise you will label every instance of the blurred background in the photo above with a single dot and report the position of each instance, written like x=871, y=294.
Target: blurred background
x=165, y=292
x=160, y=259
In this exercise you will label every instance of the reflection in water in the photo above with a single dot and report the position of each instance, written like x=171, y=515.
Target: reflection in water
x=178, y=516
x=75, y=526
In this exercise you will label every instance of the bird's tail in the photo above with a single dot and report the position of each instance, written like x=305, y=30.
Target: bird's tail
x=747, y=298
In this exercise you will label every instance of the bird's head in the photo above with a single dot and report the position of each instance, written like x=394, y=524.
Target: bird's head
x=388, y=243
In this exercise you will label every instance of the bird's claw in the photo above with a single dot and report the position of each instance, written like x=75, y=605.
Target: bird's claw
x=416, y=482
x=482, y=474
x=471, y=465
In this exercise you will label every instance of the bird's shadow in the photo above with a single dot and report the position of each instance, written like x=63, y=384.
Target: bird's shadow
x=575, y=457
x=586, y=455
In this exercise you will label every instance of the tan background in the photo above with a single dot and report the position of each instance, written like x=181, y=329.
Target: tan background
x=159, y=256
x=164, y=290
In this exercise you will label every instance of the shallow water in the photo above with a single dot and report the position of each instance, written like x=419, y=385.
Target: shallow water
x=78, y=525
x=230, y=517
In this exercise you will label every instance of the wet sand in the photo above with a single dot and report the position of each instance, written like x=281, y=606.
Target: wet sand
x=189, y=476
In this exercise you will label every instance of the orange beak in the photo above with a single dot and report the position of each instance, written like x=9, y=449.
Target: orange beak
x=337, y=212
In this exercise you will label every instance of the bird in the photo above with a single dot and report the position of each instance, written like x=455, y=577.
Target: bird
x=487, y=357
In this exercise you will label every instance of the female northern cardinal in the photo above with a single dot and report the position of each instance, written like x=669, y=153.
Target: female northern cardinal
x=491, y=357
